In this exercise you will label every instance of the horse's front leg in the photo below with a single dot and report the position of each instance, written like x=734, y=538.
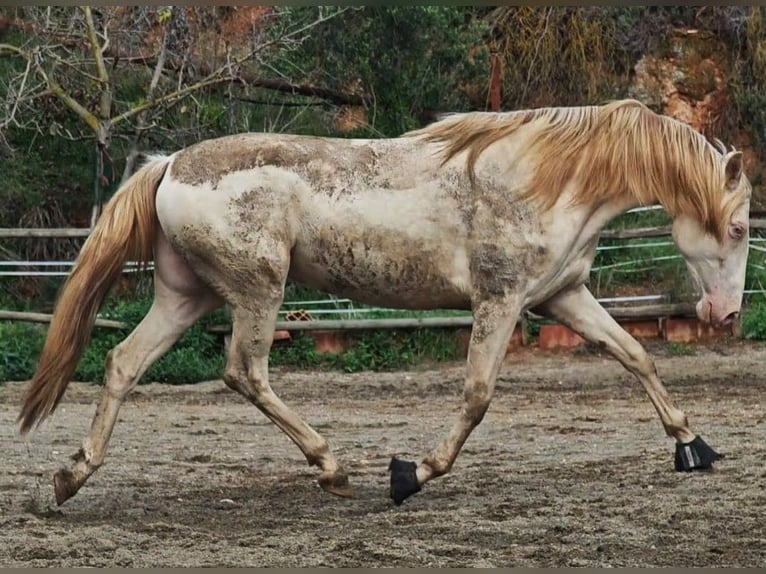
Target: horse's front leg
x=579, y=310
x=493, y=324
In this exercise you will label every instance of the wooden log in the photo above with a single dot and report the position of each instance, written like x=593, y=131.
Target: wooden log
x=619, y=313
x=46, y=318
x=638, y=233
x=24, y=232
x=362, y=324
x=634, y=312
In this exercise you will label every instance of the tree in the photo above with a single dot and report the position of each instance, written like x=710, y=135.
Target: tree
x=405, y=64
x=118, y=70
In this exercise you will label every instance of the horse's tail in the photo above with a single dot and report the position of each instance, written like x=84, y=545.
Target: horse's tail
x=126, y=228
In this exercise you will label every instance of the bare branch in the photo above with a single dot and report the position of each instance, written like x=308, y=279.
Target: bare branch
x=8, y=120
x=105, y=102
x=168, y=98
x=89, y=118
x=58, y=64
x=341, y=98
x=98, y=57
x=132, y=158
x=75, y=66
x=8, y=49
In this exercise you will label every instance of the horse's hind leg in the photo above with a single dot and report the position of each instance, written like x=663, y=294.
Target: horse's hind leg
x=179, y=300
x=247, y=373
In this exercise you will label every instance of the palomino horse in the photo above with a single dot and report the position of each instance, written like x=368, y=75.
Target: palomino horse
x=496, y=213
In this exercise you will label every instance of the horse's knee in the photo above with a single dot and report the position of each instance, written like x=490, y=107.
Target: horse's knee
x=476, y=403
x=638, y=361
x=235, y=378
x=120, y=376
x=250, y=386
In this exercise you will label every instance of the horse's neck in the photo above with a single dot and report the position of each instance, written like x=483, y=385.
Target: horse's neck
x=595, y=218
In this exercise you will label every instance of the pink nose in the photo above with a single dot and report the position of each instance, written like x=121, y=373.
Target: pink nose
x=730, y=318
x=721, y=317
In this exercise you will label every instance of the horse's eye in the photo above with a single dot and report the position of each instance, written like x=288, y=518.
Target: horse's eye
x=737, y=231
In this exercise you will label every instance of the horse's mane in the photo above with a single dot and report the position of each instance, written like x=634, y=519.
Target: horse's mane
x=612, y=149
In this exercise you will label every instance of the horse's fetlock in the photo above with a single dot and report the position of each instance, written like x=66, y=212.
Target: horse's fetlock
x=80, y=456
x=87, y=459
x=317, y=453
x=677, y=422
x=438, y=466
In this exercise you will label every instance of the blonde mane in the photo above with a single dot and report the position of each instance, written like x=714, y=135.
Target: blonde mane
x=622, y=147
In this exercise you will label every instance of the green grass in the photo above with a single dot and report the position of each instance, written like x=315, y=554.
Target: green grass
x=381, y=350
x=680, y=349
x=199, y=354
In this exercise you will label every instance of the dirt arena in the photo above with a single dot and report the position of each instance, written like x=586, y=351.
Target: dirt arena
x=569, y=468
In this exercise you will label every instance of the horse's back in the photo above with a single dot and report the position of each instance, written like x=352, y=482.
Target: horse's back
x=367, y=218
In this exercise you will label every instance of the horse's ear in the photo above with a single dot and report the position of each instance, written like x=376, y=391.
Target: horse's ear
x=733, y=161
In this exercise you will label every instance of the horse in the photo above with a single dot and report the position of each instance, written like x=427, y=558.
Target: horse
x=495, y=213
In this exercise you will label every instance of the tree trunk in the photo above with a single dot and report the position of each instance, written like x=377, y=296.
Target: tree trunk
x=98, y=191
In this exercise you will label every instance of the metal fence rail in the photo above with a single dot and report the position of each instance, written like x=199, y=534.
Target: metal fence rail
x=619, y=313
x=342, y=306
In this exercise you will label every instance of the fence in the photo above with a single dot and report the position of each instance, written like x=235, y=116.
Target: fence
x=619, y=313
x=622, y=308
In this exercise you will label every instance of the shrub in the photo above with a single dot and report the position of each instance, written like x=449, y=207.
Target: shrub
x=199, y=355
x=754, y=322
x=385, y=350
x=20, y=343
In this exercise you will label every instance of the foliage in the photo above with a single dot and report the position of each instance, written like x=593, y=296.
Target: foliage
x=41, y=172
x=300, y=352
x=20, y=344
x=567, y=55
x=749, y=83
x=586, y=55
x=381, y=350
x=405, y=63
x=196, y=357
x=754, y=322
x=112, y=73
x=533, y=328
x=408, y=61
x=677, y=349
x=199, y=355
x=556, y=55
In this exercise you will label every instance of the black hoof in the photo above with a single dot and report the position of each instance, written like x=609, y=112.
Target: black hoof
x=695, y=455
x=404, y=481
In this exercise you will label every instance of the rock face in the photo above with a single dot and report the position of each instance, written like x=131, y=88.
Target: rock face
x=688, y=80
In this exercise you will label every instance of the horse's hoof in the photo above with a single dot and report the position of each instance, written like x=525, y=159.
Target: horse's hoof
x=336, y=483
x=404, y=481
x=695, y=455
x=65, y=485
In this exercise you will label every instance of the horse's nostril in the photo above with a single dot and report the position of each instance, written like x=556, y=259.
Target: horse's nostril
x=731, y=317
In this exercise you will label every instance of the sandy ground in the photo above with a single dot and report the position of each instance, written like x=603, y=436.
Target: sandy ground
x=569, y=468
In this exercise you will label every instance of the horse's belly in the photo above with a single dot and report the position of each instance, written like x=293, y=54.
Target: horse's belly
x=392, y=273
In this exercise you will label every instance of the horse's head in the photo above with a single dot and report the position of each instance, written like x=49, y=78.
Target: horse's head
x=718, y=264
